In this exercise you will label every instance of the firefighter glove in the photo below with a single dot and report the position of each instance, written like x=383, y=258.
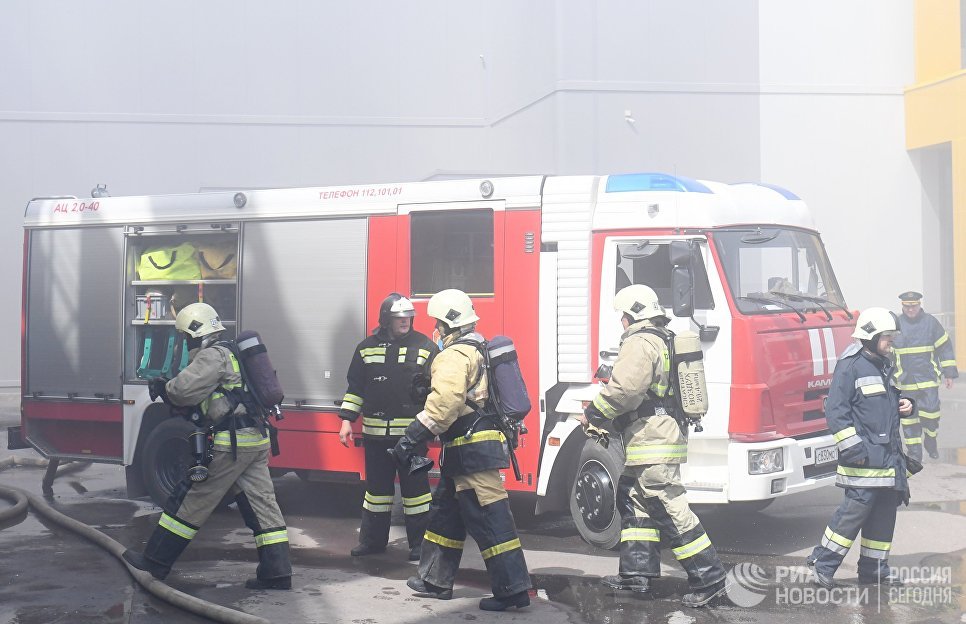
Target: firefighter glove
x=913, y=465
x=420, y=389
x=157, y=387
x=598, y=435
x=595, y=417
x=404, y=453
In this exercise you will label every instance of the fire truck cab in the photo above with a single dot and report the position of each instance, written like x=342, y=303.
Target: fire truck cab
x=541, y=257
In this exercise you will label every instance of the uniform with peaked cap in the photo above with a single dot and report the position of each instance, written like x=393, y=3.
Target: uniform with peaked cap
x=924, y=357
x=910, y=297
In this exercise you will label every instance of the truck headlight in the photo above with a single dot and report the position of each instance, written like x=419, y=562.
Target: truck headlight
x=764, y=462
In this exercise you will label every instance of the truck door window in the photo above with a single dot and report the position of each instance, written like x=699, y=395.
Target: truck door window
x=451, y=249
x=649, y=263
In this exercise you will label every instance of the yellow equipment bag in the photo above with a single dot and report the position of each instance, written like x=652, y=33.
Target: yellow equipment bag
x=170, y=263
x=218, y=260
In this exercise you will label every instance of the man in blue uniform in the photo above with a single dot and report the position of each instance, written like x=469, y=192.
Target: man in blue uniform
x=924, y=359
x=863, y=411
x=388, y=383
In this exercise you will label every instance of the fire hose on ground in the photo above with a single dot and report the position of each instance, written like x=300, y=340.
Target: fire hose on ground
x=22, y=500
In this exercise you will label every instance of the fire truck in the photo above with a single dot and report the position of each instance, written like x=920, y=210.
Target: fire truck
x=742, y=265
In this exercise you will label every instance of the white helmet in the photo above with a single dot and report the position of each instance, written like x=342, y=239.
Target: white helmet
x=874, y=321
x=639, y=302
x=453, y=307
x=395, y=306
x=197, y=320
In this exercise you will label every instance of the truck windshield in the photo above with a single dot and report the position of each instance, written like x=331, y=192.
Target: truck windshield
x=773, y=270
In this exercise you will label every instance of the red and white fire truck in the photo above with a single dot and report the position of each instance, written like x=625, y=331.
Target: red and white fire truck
x=541, y=257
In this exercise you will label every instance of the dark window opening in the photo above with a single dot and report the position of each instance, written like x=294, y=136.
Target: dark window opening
x=451, y=249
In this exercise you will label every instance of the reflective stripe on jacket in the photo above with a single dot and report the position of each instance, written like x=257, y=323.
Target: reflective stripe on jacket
x=457, y=375
x=863, y=409
x=924, y=353
x=199, y=383
x=380, y=380
x=643, y=368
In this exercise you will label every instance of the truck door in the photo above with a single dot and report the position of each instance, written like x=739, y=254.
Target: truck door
x=303, y=290
x=638, y=260
x=72, y=391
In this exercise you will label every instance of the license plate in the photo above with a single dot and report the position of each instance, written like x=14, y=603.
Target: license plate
x=826, y=454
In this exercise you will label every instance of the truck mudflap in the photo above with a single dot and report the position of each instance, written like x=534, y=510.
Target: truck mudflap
x=15, y=439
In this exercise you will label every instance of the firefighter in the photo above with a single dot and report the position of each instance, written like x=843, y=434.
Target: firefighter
x=650, y=497
x=470, y=497
x=863, y=411
x=388, y=383
x=924, y=358
x=211, y=381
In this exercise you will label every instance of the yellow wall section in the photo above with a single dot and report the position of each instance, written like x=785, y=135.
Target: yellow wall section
x=959, y=246
x=937, y=39
x=936, y=114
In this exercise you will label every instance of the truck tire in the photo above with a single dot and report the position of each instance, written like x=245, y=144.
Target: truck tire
x=166, y=458
x=593, y=496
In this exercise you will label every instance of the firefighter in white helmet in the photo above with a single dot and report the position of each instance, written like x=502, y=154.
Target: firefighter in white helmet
x=650, y=497
x=388, y=383
x=470, y=497
x=863, y=409
x=211, y=384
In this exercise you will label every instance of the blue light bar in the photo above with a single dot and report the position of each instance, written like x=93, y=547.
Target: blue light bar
x=781, y=191
x=653, y=182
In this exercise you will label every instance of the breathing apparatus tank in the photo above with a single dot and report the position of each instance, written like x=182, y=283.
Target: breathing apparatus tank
x=688, y=372
x=259, y=372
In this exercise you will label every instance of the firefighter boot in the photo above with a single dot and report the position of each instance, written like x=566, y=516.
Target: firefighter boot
x=279, y=583
x=428, y=590
x=274, y=568
x=640, y=547
x=162, y=550
x=518, y=600
x=415, y=529
x=701, y=597
x=374, y=532
x=141, y=562
x=366, y=549
x=637, y=584
x=818, y=578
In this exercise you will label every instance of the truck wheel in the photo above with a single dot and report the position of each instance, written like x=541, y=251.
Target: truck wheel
x=166, y=458
x=593, y=497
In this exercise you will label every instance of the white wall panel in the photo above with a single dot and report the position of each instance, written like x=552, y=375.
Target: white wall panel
x=173, y=97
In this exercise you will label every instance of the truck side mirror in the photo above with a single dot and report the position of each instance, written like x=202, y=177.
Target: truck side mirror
x=682, y=291
x=682, y=280
x=680, y=253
